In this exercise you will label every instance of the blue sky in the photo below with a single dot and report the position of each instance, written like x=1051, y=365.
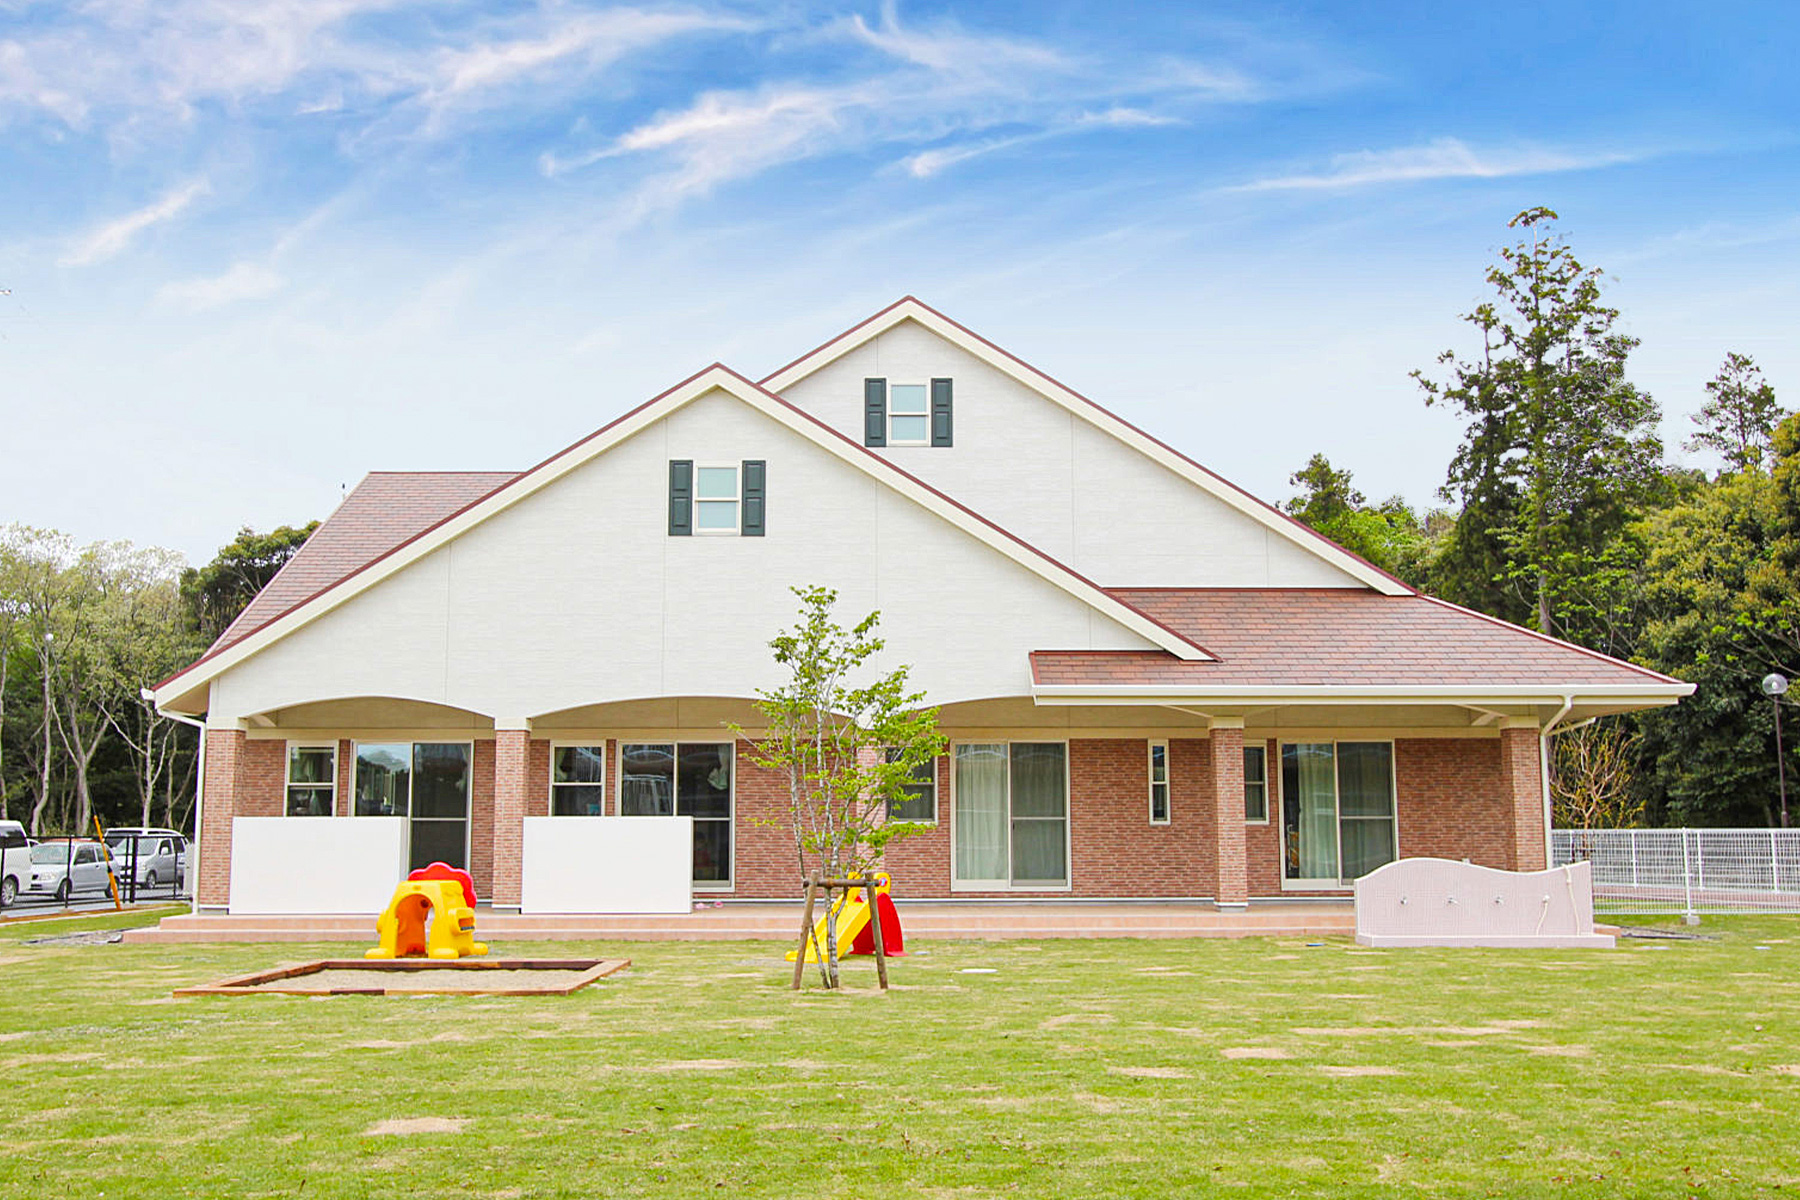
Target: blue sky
x=256, y=248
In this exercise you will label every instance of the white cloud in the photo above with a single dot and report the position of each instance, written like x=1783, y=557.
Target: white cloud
x=114, y=236
x=1442, y=158
x=243, y=281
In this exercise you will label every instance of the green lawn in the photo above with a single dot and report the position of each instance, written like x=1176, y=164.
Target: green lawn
x=1103, y=1068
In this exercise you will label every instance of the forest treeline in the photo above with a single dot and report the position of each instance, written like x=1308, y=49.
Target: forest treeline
x=1560, y=511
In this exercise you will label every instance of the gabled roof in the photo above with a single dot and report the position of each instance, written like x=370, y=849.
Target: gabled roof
x=910, y=308
x=716, y=377
x=381, y=512
x=1320, y=639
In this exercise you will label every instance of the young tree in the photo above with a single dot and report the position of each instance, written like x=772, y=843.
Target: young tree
x=217, y=592
x=1738, y=421
x=1592, y=785
x=848, y=741
x=1559, y=448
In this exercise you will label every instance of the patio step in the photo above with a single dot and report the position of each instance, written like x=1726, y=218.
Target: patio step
x=779, y=922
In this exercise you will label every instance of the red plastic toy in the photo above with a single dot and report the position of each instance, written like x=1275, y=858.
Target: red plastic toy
x=440, y=870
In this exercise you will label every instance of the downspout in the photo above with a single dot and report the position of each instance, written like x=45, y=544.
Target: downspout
x=199, y=787
x=1544, y=734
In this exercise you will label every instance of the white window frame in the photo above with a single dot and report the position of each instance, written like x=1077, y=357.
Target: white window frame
x=1261, y=747
x=935, y=805
x=583, y=744
x=1007, y=885
x=728, y=884
x=1150, y=749
x=1337, y=826
x=737, y=502
x=890, y=414
x=468, y=815
x=287, y=767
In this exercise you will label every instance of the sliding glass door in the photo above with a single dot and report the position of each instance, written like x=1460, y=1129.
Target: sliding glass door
x=1011, y=815
x=428, y=784
x=1337, y=811
x=684, y=779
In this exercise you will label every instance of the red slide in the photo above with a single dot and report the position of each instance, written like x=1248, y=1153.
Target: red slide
x=893, y=942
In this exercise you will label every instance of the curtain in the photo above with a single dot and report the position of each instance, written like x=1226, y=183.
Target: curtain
x=1366, y=805
x=1309, y=787
x=981, y=812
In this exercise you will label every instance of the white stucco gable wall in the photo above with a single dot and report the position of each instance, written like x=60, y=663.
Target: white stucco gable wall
x=1064, y=485
x=577, y=595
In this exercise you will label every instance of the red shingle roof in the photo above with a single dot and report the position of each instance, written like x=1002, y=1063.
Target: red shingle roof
x=1325, y=637
x=384, y=510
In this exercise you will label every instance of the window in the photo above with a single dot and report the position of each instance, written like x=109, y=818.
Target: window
x=909, y=415
x=1159, y=783
x=684, y=779
x=716, y=499
x=311, y=780
x=921, y=794
x=577, y=781
x=1256, y=785
x=1011, y=815
x=428, y=784
x=1337, y=811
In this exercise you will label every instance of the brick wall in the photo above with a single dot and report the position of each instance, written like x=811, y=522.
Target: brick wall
x=1262, y=843
x=1521, y=780
x=218, y=799
x=513, y=752
x=1450, y=803
x=481, y=818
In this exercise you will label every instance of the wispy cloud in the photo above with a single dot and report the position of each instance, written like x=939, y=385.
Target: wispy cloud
x=109, y=239
x=969, y=92
x=243, y=281
x=1441, y=158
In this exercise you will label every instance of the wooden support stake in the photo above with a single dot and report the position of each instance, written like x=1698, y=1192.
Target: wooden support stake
x=806, y=924
x=875, y=923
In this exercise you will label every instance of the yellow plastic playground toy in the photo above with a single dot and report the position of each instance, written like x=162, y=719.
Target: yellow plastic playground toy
x=853, y=933
x=432, y=915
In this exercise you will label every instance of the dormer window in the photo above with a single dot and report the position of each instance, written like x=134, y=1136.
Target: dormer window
x=907, y=413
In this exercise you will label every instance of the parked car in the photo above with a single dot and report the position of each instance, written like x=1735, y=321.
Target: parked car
x=64, y=868
x=15, y=861
x=161, y=854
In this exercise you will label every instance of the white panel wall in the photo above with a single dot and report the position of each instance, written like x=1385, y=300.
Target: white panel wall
x=608, y=865
x=1067, y=487
x=577, y=595
x=308, y=865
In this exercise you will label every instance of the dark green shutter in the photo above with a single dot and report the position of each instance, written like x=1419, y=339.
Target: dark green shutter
x=940, y=412
x=681, y=497
x=874, y=412
x=754, y=478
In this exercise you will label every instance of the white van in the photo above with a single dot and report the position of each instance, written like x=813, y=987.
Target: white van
x=160, y=855
x=15, y=862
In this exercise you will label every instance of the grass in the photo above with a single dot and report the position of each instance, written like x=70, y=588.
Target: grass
x=1102, y=1068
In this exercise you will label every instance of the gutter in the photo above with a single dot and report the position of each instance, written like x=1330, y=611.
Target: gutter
x=199, y=783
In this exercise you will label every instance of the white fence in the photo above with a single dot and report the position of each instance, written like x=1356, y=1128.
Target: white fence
x=1688, y=871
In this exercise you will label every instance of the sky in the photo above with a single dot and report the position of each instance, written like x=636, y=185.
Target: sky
x=253, y=249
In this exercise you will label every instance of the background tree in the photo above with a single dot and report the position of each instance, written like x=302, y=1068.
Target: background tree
x=217, y=592
x=1739, y=418
x=847, y=740
x=1559, y=448
x=1390, y=535
x=148, y=639
x=1592, y=786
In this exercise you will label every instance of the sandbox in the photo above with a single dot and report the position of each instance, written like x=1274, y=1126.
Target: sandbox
x=418, y=977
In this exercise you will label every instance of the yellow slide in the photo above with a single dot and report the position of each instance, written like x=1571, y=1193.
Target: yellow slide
x=852, y=910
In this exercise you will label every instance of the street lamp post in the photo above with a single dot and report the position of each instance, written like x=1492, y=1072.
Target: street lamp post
x=1774, y=685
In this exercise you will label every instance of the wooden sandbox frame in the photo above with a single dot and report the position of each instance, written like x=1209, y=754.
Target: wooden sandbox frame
x=256, y=983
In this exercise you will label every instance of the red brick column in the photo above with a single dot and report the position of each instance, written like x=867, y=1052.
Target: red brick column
x=511, y=776
x=218, y=805
x=1522, y=795
x=1233, y=887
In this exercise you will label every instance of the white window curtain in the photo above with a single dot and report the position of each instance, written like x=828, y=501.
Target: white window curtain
x=981, y=812
x=1311, y=794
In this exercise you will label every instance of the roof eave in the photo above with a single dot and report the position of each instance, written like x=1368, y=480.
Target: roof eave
x=1645, y=695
